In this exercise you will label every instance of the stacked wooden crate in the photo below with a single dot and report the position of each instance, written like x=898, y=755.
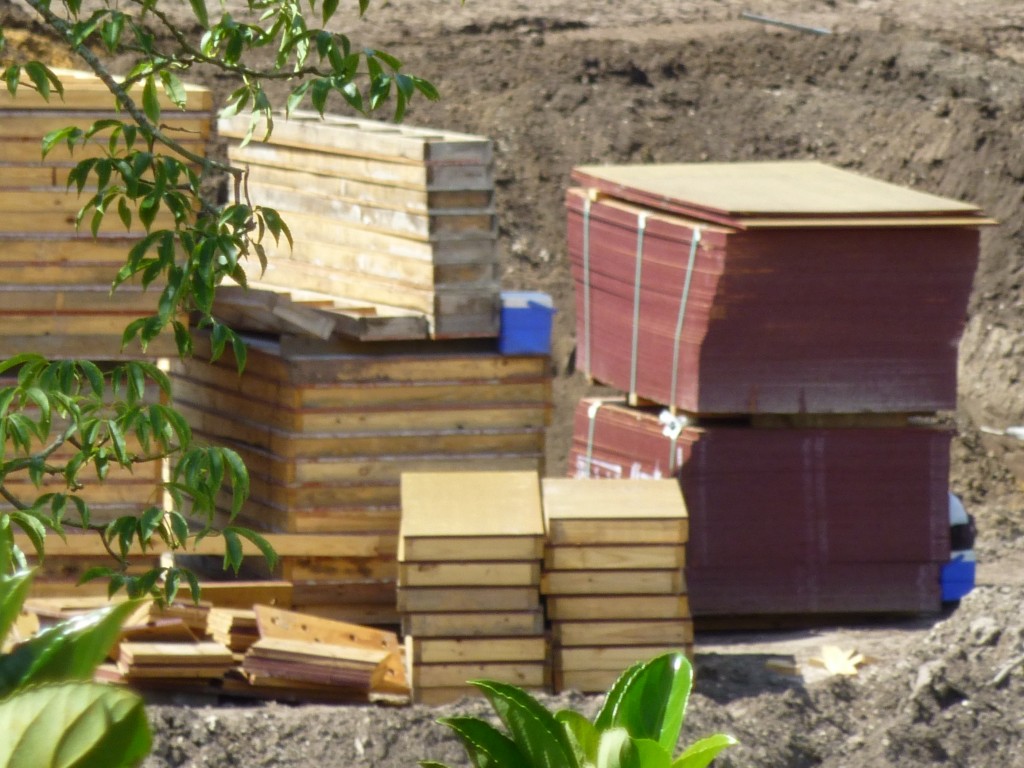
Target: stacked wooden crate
x=54, y=279
x=391, y=221
x=783, y=320
x=327, y=432
x=613, y=583
x=469, y=581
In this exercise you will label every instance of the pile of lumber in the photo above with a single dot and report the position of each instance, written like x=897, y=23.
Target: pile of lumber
x=469, y=581
x=327, y=431
x=54, y=279
x=789, y=519
x=394, y=227
x=789, y=326
x=613, y=582
x=785, y=287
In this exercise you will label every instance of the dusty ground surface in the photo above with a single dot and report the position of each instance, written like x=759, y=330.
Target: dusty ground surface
x=912, y=91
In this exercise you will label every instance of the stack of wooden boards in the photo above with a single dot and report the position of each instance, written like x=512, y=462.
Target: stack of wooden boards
x=55, y=280
x=613, y=577
x=326, y=432
x=394, y=227
x=290, y=656
x=725, y=292
x=469, y=557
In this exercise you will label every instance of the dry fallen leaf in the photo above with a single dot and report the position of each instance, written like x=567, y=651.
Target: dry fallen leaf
x=839, y=661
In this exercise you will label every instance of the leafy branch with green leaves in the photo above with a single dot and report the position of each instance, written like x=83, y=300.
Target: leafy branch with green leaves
x=65, y=424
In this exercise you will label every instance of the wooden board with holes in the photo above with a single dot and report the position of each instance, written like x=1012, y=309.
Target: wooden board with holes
x=529, y=674
x=467, y=507
x=367, y=138
x=588, y=608
x=462, y=624
x=622, y=632
x=614, y=556
x=614, y=511
x=617, y=582
x=428, y=176
x=461, y=650
x=484, y=574
x=483, y=599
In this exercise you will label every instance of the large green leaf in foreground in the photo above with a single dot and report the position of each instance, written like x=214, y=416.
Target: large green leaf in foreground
x=73, y=725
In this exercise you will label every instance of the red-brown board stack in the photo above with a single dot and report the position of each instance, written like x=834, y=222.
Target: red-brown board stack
x=792, y=323
x=469, y=581
x=788, y=520
x=613, y=583
x=327, y=429
x=769, y=287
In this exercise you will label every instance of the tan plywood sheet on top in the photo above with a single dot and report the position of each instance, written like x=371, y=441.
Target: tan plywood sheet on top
x=773, y=189
x=468, y=504
x=583, y=499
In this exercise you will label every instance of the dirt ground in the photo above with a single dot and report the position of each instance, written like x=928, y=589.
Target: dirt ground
x=922, y=93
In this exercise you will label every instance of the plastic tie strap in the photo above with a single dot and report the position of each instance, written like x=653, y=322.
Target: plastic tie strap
x=586, y=284
x=592, y=415
x=641, y=228
x=694, y=242
x=672, y=428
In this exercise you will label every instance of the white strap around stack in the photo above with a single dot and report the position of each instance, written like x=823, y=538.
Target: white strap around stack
x=586, y=287
x=641, y=228
x=592, y=416
x=694, y=242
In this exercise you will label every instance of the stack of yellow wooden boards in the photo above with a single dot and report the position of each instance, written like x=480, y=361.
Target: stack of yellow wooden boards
x=55, y=280
x=469, y=581
x=394, y=227
x=613, y=577
x=327, y=433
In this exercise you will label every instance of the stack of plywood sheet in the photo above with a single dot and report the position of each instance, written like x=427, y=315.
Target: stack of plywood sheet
x=770, y=287
x=789, y=519
x=327, y=434
x=389, y=221
x=173, y=661
x=55, y=280
x=613, y=581
x=469, y=581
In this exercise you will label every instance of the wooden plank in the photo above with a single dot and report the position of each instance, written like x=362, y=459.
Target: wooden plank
x=245, y=594
x=289, y=625
x=462, y=599
x=473, y=624
x=575, y=608
x=470, y=548
x=570, y=499
x=364, y=191
x=611, y=556
x=298, y=568
x=437, y=176
x=617, y=582
x=443, y=675
x=474, y=649
x=28, y=124
x=630, y=532
x=632, y=632
x=367, y=138
x=89, y=346
x=85, y=91
x=502, y=574
x=29, y=149
x=206, y=653
x=736, y=190
x=471, y=504
x=611, y=658
x=54, y=221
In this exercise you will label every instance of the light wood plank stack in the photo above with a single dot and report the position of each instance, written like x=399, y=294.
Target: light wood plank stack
x=469, y=581
x=613, y=577
x=327, y=434
x=55, y=281
x=394, y=221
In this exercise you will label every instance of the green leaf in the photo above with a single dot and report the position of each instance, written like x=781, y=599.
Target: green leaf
x=232, y=550
x=150, y=101
x=70, y=650
x=328, y=9
x=617, y=750
x=701, y=753
x=583, y=736
x=149, y=522
x=174, y=88
x=533, y=728
x=33, y=528
x=199, y=9
x=264, y=546
x=13, y=591
x=486, y=746
x=649, y=700
x=42, y=78
x=12, y=76
x=74, y=725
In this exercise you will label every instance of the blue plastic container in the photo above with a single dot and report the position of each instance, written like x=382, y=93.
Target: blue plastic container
x=525, y=323
x=957, y=579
